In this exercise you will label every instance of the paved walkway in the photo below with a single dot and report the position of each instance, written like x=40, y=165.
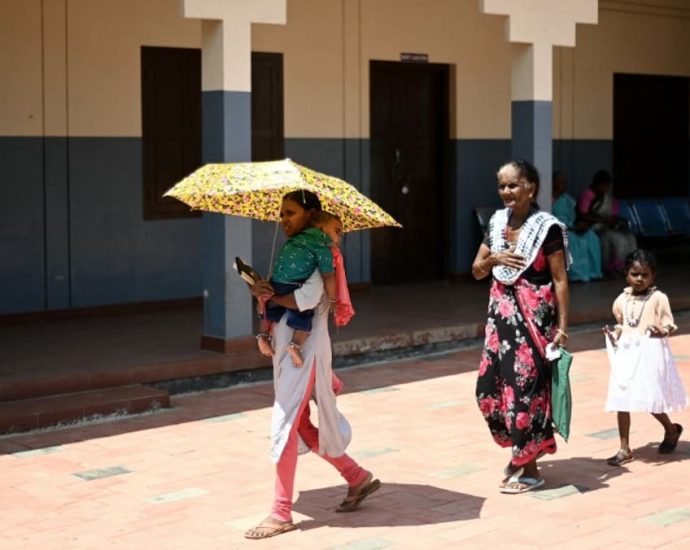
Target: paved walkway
x=199, y=475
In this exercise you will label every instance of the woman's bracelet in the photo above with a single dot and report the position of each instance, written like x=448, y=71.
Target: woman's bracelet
x=562, y=333
x=263, y=335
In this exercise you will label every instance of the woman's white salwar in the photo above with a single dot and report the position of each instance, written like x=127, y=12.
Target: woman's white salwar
x=290, y=382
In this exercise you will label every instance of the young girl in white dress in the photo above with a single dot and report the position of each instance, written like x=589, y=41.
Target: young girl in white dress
x=643, y=374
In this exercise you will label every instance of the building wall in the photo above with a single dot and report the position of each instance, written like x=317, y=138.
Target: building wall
x=73, y=234
x=650, y=37
x=70, y=158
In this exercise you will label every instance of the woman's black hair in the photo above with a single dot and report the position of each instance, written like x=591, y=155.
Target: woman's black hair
x=601, y=176
x=306, y=199
x=642, y=257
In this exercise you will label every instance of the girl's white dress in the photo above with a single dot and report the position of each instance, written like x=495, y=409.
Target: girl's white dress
x=643, y=375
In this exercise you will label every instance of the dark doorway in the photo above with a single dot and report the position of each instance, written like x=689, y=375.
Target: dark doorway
x=268, y=140
x=171, y=125
x=409, y=170
x=650, y=135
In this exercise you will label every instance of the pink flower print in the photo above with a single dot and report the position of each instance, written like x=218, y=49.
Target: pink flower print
x=496, y=292
x=546, y=294
x=529, y=298
x=508, y=397
x=492, y=338
x=539, y=261
x=522, y=421
x=484, y=364
x=506, y=308
x=487, y=406
x=537, y=403
x=524, y=355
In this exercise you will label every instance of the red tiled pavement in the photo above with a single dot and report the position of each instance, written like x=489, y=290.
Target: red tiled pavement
x=198, y=475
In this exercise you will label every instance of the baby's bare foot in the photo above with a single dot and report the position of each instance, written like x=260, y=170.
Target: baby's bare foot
x=265, y=347
x=295, y=352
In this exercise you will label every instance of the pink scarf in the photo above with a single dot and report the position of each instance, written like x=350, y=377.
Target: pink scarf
x=343, y=310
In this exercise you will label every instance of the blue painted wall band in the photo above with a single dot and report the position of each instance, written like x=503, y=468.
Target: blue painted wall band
x=117, y=257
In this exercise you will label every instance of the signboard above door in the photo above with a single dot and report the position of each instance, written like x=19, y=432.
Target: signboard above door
x=414, y=57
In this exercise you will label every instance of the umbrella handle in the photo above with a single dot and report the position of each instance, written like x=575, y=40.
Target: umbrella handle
x=273, y=251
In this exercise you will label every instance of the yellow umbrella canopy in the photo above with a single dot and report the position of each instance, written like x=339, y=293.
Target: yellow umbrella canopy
x=256, y=189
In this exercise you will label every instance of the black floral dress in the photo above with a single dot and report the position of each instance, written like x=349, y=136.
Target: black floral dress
x=522, y=319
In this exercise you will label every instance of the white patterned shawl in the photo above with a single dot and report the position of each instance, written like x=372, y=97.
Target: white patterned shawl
x=529, y=241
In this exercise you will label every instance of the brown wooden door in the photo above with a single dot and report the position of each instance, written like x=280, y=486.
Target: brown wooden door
x=650, y=135
x=409, y=174
x=268, y=141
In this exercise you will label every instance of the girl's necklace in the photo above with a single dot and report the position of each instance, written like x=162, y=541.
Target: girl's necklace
x=629, y=316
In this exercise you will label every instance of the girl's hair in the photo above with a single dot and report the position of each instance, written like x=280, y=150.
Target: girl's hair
x=643, y=257
x=526, y=171
x=320, y=217
x=600, y=176
x=306, y=199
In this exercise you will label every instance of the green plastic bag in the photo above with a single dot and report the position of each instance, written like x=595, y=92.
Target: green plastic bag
x=561, y=398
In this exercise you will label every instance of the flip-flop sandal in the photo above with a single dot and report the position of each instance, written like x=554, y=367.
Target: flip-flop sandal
x=351, y=503
x=620, y=458
x=667, y=446
x=266, y=531
x=530, y=484
x=509, y=472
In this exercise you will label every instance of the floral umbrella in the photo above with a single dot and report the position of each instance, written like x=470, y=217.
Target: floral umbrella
x=256, y=189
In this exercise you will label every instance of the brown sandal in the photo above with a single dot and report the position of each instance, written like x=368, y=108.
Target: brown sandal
x=267, y=529
x=355, y=498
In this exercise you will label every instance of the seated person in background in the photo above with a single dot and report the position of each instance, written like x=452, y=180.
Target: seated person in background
x=597, y=207
x=584, y=244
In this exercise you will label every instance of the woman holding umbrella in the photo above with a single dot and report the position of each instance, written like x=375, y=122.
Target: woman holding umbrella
x=294, y=386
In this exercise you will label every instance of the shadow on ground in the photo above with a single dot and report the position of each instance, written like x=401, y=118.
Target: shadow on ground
x=649, y=454
x=584, y=473
x=395, y=504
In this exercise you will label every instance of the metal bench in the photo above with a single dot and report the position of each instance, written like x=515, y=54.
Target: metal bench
x=677, y=210
x=657, y=218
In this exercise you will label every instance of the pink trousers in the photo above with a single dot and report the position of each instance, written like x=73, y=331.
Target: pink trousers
x=352, y=472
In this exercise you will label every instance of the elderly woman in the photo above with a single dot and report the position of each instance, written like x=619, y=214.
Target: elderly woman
x=291, y=428
x=598, y=208
x=525, y=252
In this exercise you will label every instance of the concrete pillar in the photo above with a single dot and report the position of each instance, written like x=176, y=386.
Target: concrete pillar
x=226, y=126
x=534, y=27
